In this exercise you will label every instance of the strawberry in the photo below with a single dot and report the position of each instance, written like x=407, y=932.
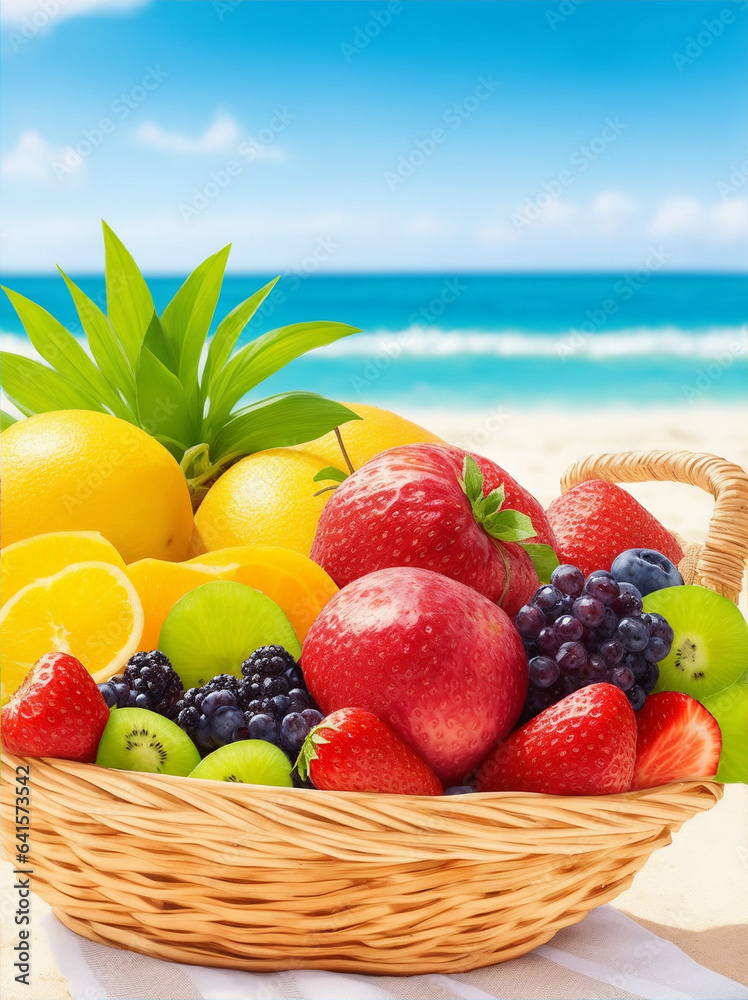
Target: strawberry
x=58, y=711
x=585, y=744
x=438, y=662
x=354, y=751
x=677, y=739
x=596, y=521
x=430, y=506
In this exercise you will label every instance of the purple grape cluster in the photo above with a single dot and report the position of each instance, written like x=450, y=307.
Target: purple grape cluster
x=578, y=632
x=149, y=681
x=269, y=702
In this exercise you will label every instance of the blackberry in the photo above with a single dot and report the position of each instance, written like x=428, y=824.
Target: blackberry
x=269, y=661
x=153, y=682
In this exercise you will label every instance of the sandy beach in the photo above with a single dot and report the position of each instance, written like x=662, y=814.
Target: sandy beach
x=695, y=892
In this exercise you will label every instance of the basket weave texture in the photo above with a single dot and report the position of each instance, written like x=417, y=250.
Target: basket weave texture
x=262, y=878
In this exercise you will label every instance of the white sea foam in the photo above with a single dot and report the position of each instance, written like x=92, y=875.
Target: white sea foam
x=420, y=341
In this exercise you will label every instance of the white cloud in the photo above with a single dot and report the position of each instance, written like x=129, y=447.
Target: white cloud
x=35, y=161
x=40, y=14
x=221, y=136
x=721, y=222
x=610, y=209
x=425, y=226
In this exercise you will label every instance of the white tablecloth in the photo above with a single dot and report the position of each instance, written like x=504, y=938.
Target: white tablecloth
x=605, y=957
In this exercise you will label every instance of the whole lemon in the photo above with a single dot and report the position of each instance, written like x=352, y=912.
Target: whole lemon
x=378, y=430
x=79, y=470
x=265, y=499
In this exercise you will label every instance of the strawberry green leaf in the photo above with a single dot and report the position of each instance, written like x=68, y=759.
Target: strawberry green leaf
x=309, y=750
x=129, y=301
x=509, y=526
x=330, y=473
x=60, y=349
x=105, y=347
x=227, y=334
x=276, y=422
x=6, y=420
x=158, y=343
x=187, y=318
x=265, y=356
x=493, y=502
x=162, y=404
x=472, y=480
x=34, y=388
x=544, y=559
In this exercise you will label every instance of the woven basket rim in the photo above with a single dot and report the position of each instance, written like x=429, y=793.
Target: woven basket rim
x=164, y=781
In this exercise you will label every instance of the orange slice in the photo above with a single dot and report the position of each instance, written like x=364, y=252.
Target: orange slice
x=160, y=584
x=43, y=555
x=292, y=580
x=89, y=609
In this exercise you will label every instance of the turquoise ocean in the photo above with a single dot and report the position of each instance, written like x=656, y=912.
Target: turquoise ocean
x=473, y=340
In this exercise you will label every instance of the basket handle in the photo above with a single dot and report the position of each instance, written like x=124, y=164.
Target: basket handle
x=721, y=561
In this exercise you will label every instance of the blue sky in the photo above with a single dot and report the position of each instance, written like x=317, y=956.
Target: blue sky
x=449, y=136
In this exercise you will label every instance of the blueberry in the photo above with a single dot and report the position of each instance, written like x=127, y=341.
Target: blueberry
x=312, y=717
x=459, y=790
x=263, y=727
x=294, y=730
x=299, y=697
x=647, y=569
x=224, y=722
x=217, y=699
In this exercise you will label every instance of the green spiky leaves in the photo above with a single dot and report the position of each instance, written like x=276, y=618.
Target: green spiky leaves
x=145, y=368
x=504, y=524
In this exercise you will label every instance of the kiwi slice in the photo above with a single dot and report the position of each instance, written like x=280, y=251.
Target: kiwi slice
x=252, y=762
x=730, y=709
x=214, y=628
x=136, y=739
x=710, y=647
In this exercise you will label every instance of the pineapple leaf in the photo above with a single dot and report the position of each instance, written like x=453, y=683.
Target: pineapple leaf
x=129, y=301
x=265, y=356
x=59, y=348
x=158, y=343
x=34, y=388
x=276, y=422
x=227, y=334
x=105, y=347
x=187, y=318
x=162, y=404
x=6, y=420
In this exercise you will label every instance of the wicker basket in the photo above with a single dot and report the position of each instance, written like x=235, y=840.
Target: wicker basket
x=271, y=879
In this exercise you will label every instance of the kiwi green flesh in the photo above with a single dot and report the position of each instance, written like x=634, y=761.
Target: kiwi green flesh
x=730, y=709
x=252, y=762
x=138, y=740
x=214, y=628
x=710, y=647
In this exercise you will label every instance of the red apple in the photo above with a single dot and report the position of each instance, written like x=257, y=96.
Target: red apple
x=438, y=662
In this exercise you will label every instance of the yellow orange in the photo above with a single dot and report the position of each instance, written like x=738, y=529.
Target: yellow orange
x=90, y=610
x=43, y=555
x=79, y=470
x=377, y=431
x=265, y=499
x=160, y=584
x=293, y=581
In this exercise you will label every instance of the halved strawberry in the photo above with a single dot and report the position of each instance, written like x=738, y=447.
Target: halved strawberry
x=677, y=739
